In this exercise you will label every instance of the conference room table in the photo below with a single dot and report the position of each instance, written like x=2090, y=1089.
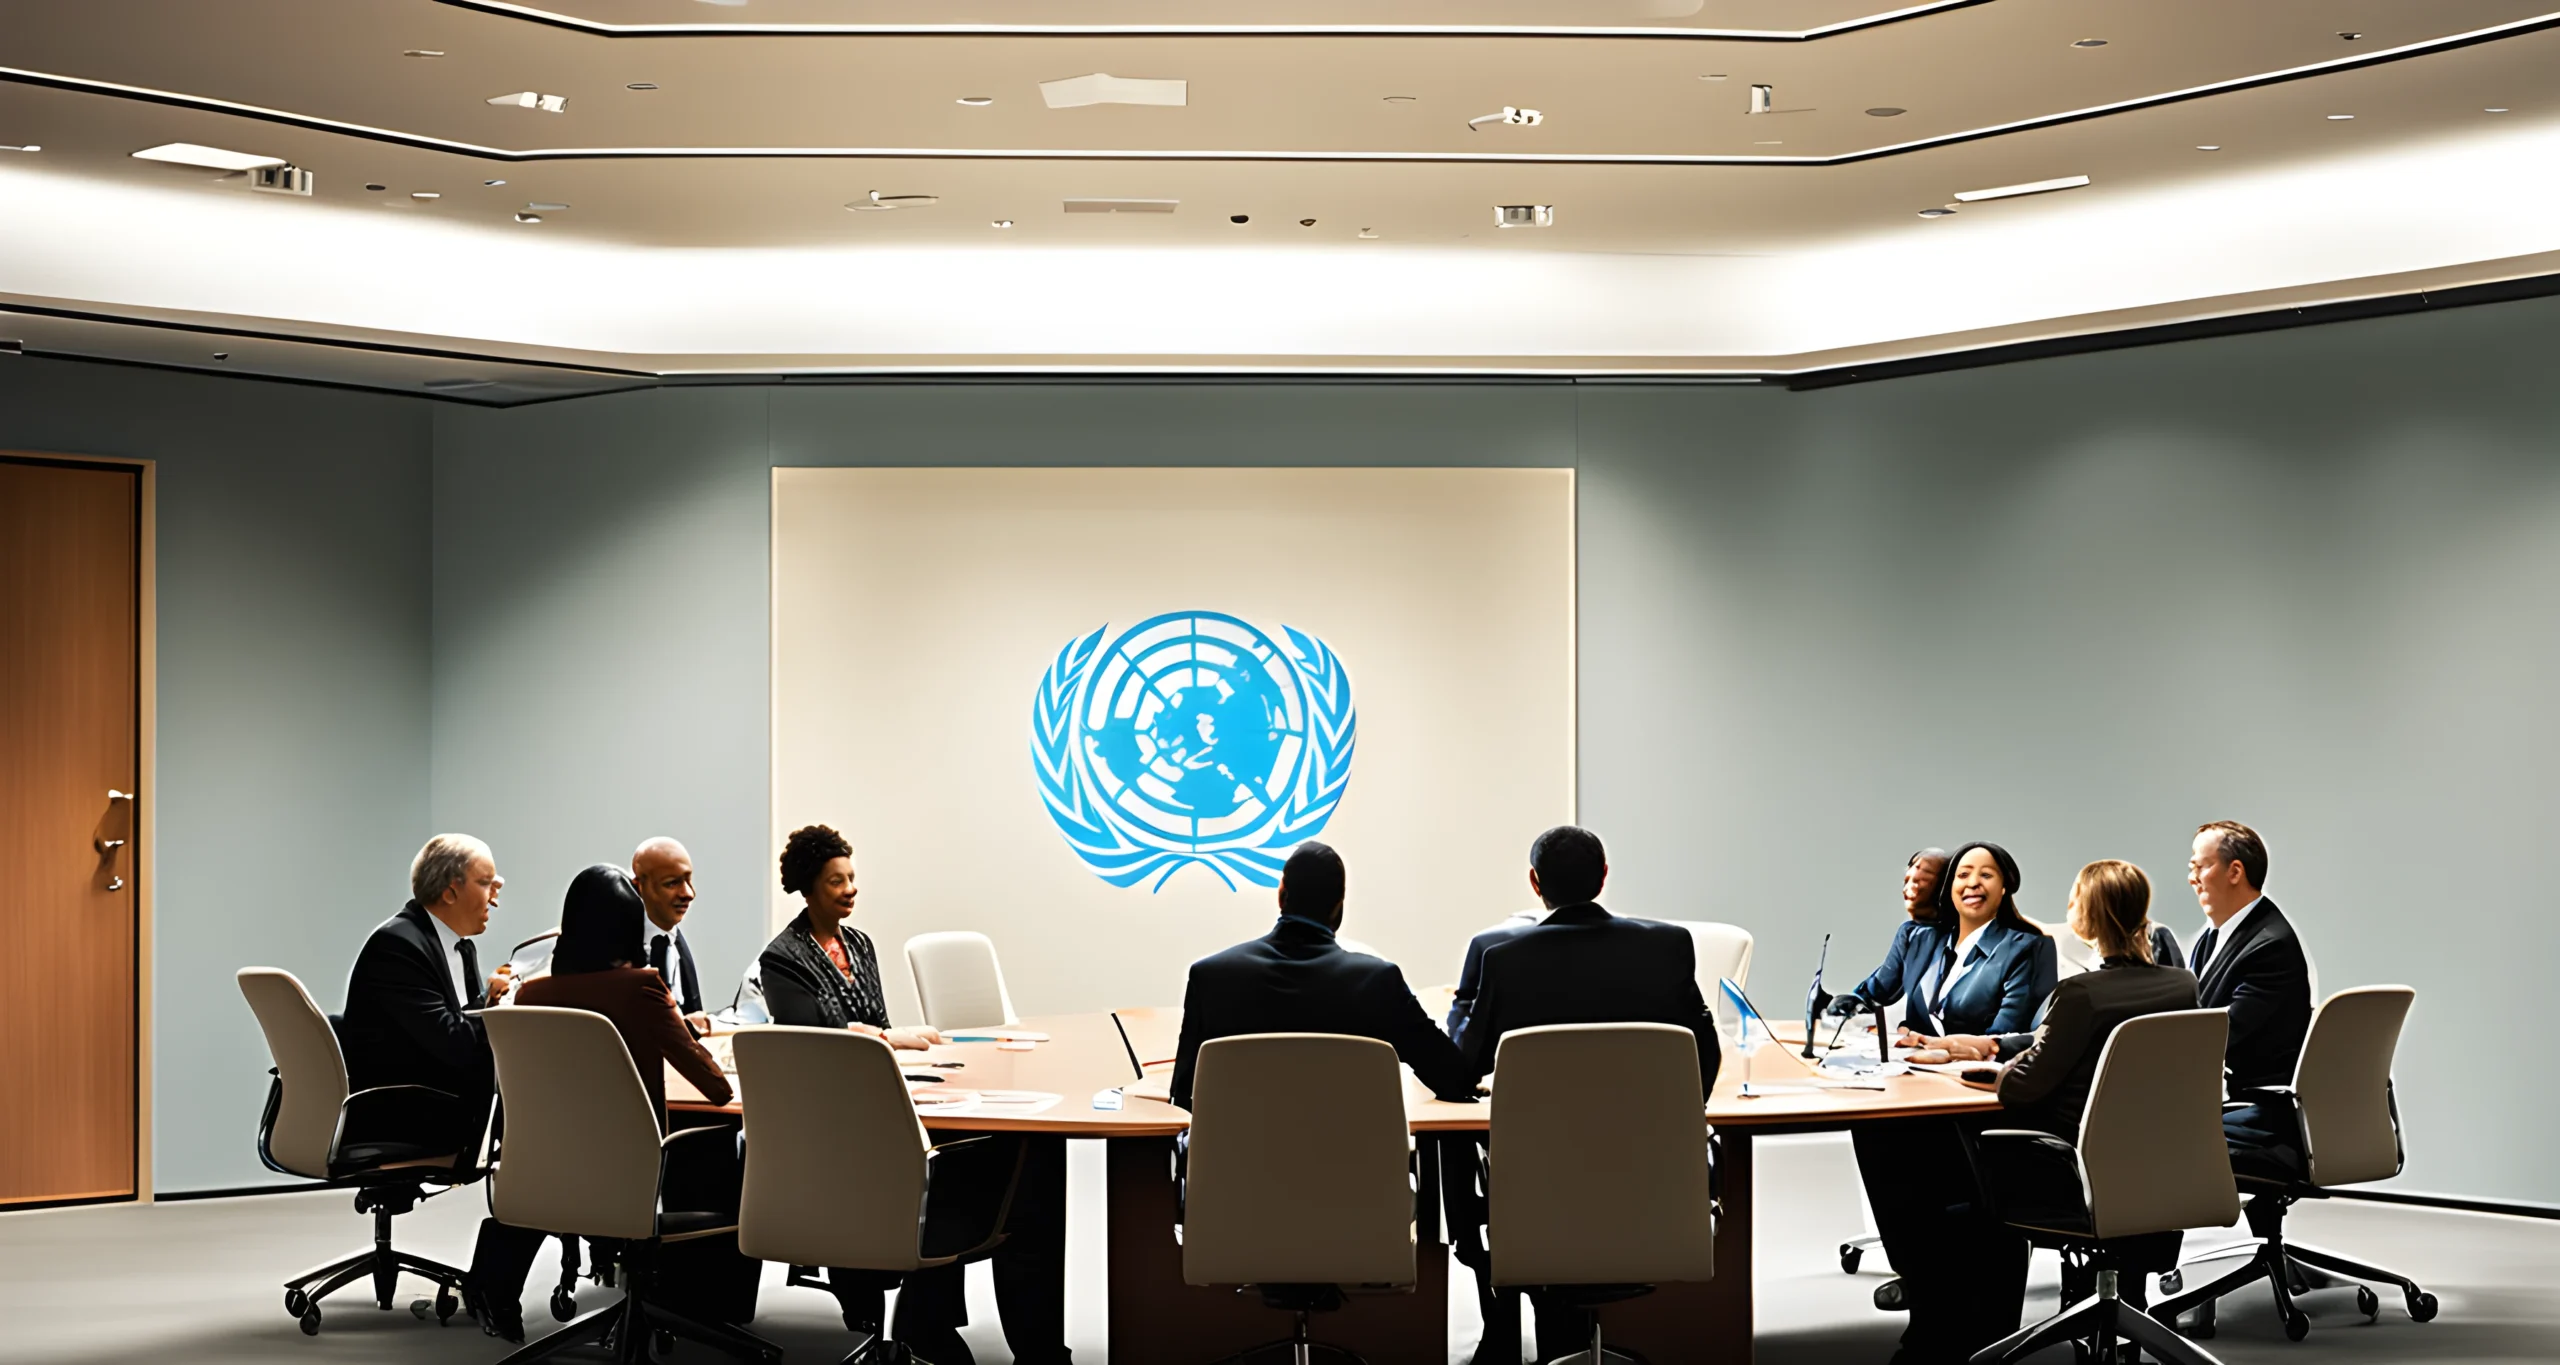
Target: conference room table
x=1156, y=1318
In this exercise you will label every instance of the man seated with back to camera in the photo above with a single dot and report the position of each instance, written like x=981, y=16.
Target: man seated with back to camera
x=1581, y=965
x=1298, y=979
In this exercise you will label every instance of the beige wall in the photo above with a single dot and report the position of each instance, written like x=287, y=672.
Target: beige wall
x=916, y=611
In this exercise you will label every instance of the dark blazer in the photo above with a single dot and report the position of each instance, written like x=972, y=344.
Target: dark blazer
x=402, y=1024
x=1297, y=979
x=2262, y=977
x=2047, y=1087
x=1587, y=966
x=1910, y=951
x=686, y=987
x=645, y=1015
x=2014, y=970
x=1471, y=971
x=803, y=987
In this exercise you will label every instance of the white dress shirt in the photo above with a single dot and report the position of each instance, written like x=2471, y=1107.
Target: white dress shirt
x=2224, y=932
x=451, y=942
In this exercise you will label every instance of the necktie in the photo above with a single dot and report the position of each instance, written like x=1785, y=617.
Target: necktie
x=2204, y=948
x=658, y=955
x=471, y=983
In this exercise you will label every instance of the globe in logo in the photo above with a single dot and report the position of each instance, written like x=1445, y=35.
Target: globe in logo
x=1192, y=738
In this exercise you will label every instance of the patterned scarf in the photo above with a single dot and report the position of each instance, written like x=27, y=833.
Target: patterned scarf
x=854, y=1001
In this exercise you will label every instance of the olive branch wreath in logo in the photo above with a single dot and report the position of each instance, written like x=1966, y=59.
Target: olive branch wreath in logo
x=1124, y=852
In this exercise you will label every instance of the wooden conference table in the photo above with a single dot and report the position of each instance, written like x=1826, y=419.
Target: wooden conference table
x=1155, y=1317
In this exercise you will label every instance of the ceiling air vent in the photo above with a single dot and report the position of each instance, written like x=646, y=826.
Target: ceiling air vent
x=281, y=180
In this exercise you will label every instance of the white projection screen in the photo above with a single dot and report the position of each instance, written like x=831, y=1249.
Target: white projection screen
x=1013, y=689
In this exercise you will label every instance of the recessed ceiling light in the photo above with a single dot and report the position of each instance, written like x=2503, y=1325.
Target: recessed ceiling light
x=1773, y=142
x=1886, y=111
x=1524, y=215
x=210, y=158
x=2208, y=146
x=1239, y=218
x=2349, y=34
x=528, y=217
x=532, y=99
x=2088, y=42
x=493, y=182
x=1306, y=222
x=883, y=203
x=2499, y=110
x=425, y=194
x=1077, y=92
x=30, y=147
x=1521, y=118
x=222, y=355
x=1937, y=213
x=1402, y=99
x=1368, y=234
x=976, y=101
x=422, y=52
x=1718, y=76
x=538, y=207
x=725, y=4
x=1001, y=223
x=2066, y=182
x=641, y=85
x=2340, y=118
x=377, y=189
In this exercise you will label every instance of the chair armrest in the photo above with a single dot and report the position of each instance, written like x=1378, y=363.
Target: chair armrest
x=682, y=1133
x=405, y=1110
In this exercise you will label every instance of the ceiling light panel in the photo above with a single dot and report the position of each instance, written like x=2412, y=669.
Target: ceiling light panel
x=532, y=99
x=208, y=158
x=1078, y=92
x=2065, y=182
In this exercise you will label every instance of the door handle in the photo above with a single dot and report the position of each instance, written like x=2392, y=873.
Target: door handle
x=115, y=883
x=109, y=845
x=114, y=795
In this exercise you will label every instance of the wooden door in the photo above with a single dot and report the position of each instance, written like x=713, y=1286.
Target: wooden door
x=70, y=537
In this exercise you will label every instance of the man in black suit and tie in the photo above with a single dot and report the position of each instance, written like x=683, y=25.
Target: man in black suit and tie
x=1580, y=965
x=1297, y=979
x=663, y=871
x=2249, y=963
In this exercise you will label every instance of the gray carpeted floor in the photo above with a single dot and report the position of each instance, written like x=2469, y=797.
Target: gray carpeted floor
x=198, y=1281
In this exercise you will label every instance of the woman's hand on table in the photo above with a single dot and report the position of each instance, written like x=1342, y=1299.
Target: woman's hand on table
x=911, y=1039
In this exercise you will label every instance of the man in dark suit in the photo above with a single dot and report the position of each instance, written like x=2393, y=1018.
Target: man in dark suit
x=406, y=1021
x=2248, y=962
x=663, y=871
x=1580, y=965
x=1297, y=979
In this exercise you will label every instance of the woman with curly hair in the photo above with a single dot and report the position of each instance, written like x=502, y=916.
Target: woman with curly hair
x=819, y=972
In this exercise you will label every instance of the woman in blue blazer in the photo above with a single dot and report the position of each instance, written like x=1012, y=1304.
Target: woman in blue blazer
x=1977, y=968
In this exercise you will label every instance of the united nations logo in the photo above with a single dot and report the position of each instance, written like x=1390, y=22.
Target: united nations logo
x=1192, y=738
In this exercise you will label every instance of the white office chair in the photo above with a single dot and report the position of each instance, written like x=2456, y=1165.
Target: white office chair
x=1599, y=1202
x=828, y=1102
x=2149, y=1162
x=387, y=1144
x=958, y=981
x=1724, y=953
x=583, y=1157
x=2350, y=1134
x=1297, y=1184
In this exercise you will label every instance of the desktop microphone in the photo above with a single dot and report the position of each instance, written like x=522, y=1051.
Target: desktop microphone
x=1816, y=999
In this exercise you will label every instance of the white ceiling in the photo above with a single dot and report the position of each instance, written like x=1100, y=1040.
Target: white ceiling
x=706, y=229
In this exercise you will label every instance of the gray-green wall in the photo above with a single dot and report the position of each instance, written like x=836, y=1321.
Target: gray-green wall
x=293, y=686
x=2303, y=579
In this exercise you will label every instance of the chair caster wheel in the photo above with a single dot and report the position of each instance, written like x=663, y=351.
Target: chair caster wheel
x=662, y=1344
x=448, y=1303
x=1888, y=1296
x=2422, y=1307
x=419, y=1308
x=311, y=1321
x=1850, y=1255
x=564, y=1305
x=2296, y=1326
x=295, y=1302
x=2368, y=1303
x=2172, y=1282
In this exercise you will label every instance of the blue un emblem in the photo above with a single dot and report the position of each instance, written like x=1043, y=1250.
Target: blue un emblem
x=1192, y=738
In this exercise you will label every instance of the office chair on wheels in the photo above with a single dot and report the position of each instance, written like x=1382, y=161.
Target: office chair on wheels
x=584, y=1158
x=1586, y=1233
x=838, y=1166
x=387, y=1144
x=2149, y=1164
x=2341, y=1107
x=1299, y=1186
